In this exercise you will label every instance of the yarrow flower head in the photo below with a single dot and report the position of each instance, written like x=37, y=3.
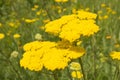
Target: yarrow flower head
x=71, y=27
x=115, y=55
x=46, y=54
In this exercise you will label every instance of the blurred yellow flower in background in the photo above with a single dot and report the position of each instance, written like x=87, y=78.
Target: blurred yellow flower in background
x=114, y=12
x=46, y=21
x=31, y=20
x=11, y=24
x=117, y=45
x=74, y=11
x=108, y=37
x=103, y=5
x=105, y=17
x=100, y=11
x=16, y=35
x=2, y=35
x=115, y=55
x=35, y=7
x=61, y=0
x=38, y=12
x=87, y=9
x=78, y=43
x=76, y=74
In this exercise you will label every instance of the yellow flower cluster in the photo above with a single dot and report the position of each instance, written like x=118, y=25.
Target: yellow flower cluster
x=61, y=0
x=115, y=55
x=105, y=12
x=47, y=54
x=71, y=27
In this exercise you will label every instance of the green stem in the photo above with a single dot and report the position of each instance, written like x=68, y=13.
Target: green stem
x=55, y=76
x=118, y=72
x=116, y=75
x=94, y=56
x=47, y=10
x=83, y=72
x=68, y=73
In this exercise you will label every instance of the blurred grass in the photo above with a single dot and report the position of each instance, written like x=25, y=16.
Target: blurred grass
x=17, y=11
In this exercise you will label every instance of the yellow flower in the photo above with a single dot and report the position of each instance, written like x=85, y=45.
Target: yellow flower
x=46, y=21
x=33, y=9
x=14, y=24
x=59, y=10
x=100, y=17
x=71, y=27
x=30, y=20
x=108, y=37
x=103, y=5
x=46, y=54
x=117, y=45
x=75, y=1
x=38, y=12
x=11, y=24
x=36, y=6
x=2, y=35
x=76, y=74
x=115, y=55
x=105, y=17
x=42, y=27
x=79, y=42
x=86, y=15
x=100, y=11
x=87, y=9
x=16, y=35
x=109, y=10
x=113, y=12
x=61, y=0
x=74, y=11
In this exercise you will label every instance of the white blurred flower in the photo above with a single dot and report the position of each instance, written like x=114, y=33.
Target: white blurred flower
x=75, y=66
x=14, y=54
x=38, y=36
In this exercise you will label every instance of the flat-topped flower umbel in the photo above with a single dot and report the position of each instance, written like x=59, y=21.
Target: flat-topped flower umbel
x=71, y=27
x=47, y=54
